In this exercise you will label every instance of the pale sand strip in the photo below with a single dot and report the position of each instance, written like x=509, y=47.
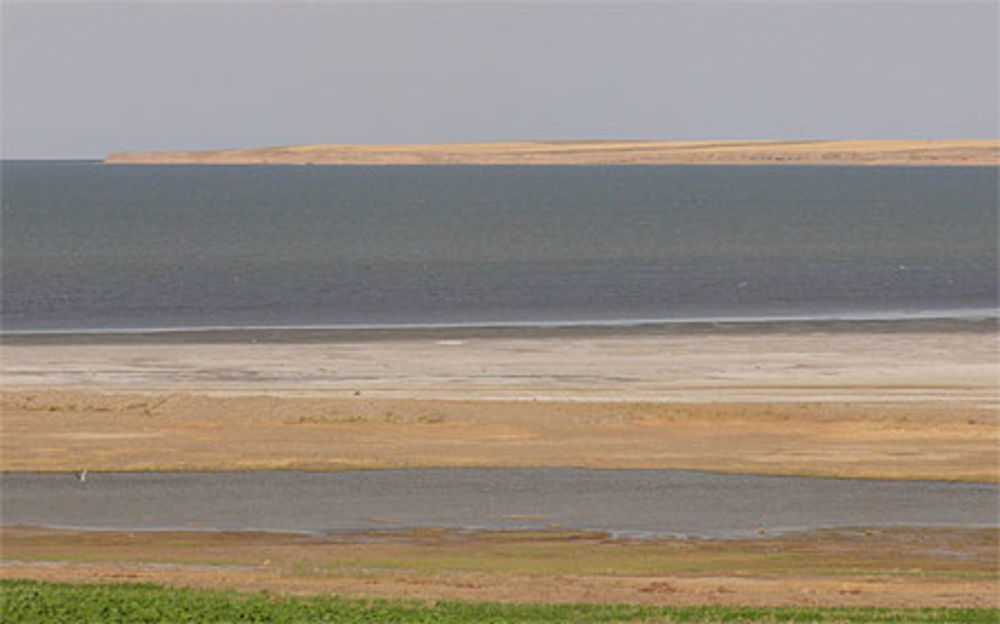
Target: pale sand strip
x=867, y=404
x=977, y=152
x=808, y=364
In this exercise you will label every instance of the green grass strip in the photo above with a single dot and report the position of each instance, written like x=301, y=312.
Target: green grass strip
x=30, y=601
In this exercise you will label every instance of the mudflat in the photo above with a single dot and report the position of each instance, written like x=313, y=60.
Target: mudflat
x=975, y=152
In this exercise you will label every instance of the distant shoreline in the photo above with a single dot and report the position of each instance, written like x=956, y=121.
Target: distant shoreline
x=945, y=152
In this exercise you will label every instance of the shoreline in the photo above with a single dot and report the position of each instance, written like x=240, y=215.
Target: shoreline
x=971, y=321
x=306, y=469
x=842, y=402
x=886, y=400
x=937, y=152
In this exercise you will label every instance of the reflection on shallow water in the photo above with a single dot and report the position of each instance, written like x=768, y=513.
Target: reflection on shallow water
x=637, y=502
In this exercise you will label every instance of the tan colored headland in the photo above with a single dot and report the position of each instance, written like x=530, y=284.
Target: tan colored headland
x=967, y=152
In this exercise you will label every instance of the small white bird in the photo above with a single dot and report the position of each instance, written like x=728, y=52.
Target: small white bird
x=81, y=475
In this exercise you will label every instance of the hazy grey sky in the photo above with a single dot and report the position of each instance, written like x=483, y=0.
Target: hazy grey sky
x=81, y=79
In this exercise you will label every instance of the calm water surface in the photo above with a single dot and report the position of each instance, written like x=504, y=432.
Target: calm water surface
x=631, y=502
x=89, y=246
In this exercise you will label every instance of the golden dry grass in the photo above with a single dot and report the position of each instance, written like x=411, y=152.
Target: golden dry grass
x=54, y=430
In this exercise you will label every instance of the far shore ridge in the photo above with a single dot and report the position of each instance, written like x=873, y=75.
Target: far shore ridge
x=951, y=152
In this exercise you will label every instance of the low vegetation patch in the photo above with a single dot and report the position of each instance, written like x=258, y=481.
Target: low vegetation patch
x=30, y=601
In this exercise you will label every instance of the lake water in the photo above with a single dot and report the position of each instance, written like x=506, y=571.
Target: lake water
x=93, y=247
x=628, y=502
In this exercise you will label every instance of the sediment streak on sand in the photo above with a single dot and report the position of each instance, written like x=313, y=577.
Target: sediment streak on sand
x=972, y=152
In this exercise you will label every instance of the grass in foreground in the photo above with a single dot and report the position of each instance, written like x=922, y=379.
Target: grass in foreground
x=30, y=601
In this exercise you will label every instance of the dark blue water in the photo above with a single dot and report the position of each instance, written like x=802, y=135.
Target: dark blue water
x=90, y=246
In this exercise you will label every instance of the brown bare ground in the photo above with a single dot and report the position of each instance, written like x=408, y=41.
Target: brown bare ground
x=978, y=152
x=875, y=567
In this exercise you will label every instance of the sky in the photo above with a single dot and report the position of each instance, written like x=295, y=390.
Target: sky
x=83, y=79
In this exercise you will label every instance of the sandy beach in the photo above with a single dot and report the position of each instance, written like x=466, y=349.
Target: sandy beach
x=969, y=152
x=875, y=402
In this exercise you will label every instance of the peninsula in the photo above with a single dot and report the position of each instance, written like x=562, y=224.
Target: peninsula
x=967, y=152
